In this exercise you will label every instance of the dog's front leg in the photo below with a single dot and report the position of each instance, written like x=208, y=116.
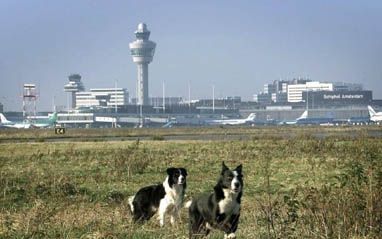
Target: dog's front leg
x=162, y=211
x=233, y=222
x=175, y=215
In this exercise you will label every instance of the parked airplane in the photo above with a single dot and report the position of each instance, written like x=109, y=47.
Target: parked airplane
x=304, y=115
x=248, y=120
x=39, y=123
x=316, y=121
x=374, y=116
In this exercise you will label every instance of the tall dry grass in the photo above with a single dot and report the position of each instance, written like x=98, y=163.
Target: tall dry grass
x=303, y=187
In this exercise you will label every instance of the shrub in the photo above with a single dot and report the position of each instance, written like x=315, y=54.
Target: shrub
x=158, y=137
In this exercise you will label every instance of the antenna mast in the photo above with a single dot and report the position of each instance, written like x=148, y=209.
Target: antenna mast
x=29, y=100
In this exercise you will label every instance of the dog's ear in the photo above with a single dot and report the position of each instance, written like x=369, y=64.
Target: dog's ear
x=224, y=167
x=184, y=171
x=239, y=168
x=170, y=171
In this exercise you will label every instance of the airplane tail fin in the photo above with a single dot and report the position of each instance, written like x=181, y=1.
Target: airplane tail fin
x=251, y=117
x=304, y=115
x=3, y=119
x=53, y=117
x=371, y=110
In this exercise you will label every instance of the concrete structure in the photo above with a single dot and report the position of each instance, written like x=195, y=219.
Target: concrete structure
x=263, y=98
x=276, y=92
x=142, y=50
x=75, y=85
x=295, y=91
x=102, y=97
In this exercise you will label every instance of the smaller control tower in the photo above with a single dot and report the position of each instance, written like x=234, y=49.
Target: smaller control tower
x=142, y=50
x=74, y=85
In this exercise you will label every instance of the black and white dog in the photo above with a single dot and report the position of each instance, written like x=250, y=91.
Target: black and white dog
x=219, y=209
x=162, y=198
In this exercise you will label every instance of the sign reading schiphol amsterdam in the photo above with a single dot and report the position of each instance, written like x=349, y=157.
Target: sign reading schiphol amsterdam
x=342, y=96
x=59, y=130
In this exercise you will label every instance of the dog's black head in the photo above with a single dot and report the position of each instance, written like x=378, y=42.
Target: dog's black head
x=177, y=176
x=232, y=179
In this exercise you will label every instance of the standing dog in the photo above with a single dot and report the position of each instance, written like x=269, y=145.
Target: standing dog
x=162, y=198
x=219, y=209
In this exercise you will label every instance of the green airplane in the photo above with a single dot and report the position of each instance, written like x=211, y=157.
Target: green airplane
x=35, y=123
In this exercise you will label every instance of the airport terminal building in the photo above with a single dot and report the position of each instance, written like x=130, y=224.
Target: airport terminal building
x=102, y=97
x=288, y=99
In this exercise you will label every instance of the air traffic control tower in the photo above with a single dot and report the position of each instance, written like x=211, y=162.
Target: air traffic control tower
x=74, y=85
x=142, y=50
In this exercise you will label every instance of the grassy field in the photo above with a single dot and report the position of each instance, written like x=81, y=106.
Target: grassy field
x=295, y=187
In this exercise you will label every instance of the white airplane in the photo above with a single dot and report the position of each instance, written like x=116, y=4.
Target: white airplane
x=10, y=124
x=374, y=116
x=42, y=123
x=248, y=120
x=292, y=122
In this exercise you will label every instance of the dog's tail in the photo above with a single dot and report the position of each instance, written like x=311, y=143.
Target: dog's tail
x=188, y=204
x=131, y=205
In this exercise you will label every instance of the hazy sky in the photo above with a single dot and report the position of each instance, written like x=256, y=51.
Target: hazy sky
x=238, y=46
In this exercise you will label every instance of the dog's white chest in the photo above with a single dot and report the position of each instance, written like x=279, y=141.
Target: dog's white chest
x=173, y=195
x=229, y=205
x=172, y=200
